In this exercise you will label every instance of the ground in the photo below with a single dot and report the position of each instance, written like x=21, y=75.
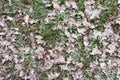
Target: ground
x=59, y=40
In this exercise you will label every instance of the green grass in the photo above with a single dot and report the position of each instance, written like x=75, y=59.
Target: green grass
x=109, y=12
x=80, y=4
x=52, y=36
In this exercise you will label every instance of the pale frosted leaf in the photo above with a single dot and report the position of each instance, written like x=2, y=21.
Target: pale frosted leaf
x=103, y=65
x=56, y=6
x=90, y=12
x=118, y=20
x=95, y=51
x=21, y=73
x=32, y=21
x=53, y=75
x=5, y=43
x=81, y=31
x=67, y=3
x=2, y=23
x=18, y=67
x=74, y=36
x=67, y=33
x=118, y=1
x=74, y=5
x=46, y=20
x=80, y=65
x=66, y=78
x=26, y=19
x=26, y=50
x=10, y=18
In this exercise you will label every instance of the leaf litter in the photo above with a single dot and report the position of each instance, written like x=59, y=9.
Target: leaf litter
x=32, y=59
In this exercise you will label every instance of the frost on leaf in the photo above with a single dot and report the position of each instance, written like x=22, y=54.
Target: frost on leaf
x=52, y=76
x=118, y=20
x=71, y=3
x=118, y=1
x=10, y=18
x=95, y=51
x=81, y=31
x=39, y=52
x=56, y=5
x=2, y=23
x=21, y=74
x=32, y=21
x=26, y=19
x=74, y=5
x=103, y=65
x=67, y=4
x=90, y=12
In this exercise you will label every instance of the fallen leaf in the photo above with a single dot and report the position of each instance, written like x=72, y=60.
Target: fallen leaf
x=90, y=12
x=2, y=23
x=118, y=1
x=10, y=18
x=26, y=19
x=67, y=4
x=103, y=65
x=52, y=76
x=56, y=6
x=74, y=5
x=21, y=73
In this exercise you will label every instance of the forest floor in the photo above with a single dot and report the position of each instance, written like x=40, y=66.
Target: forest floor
x=59, y=40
